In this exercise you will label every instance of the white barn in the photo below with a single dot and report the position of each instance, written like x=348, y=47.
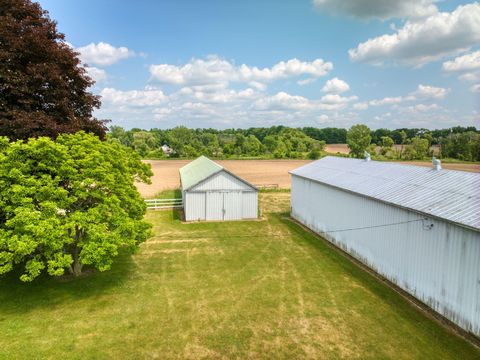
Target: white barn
x=211, y=192
x=417, y=226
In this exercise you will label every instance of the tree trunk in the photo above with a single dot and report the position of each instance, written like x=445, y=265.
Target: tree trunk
x=76, y=267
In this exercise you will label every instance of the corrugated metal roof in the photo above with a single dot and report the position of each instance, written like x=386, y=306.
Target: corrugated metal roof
x=197, y=171
x=447, y=194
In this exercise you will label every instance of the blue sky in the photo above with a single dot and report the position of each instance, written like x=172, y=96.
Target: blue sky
x=222, y=64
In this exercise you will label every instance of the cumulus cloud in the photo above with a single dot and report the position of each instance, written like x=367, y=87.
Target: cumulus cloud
x=282, y=100
x=472, y=77
x=214, y=69
x=147, y=97
x=423, y=92
x=360, y=106
x=467, y=65
x=96, y=74
x=335, y=86
x=386, y=101
x=378, y=9
x=475, y=88
x=103, y=54
x=417, y=43
x=428, y=92
x=466, y=62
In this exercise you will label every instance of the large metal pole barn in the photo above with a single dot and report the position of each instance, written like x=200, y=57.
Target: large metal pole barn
x=416, y=226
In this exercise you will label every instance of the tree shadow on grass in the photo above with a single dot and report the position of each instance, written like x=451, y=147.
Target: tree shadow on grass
x=48, y=292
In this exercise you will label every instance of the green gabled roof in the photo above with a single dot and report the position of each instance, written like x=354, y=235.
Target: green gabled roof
x=197, y=171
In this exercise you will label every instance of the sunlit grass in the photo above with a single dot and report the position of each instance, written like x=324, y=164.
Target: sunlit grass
x=260, y=289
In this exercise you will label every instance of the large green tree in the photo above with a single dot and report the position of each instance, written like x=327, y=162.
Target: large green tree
x=43, y=87
x=68, y=203
x=358, y=140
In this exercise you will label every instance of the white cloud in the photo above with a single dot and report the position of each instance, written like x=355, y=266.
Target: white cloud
x=475, y=88
x=147, y=97
x=337, y=99
x=380, y=9
x=428, y=92
x=306, y=81
x=386, y=101
x=282, y=100
x=419, y=108
x=417, y=43
x=335, y=86
x=360, y=106
x=322, y=119
x=423, y=92
x=466, y=62
x=285, y=69
x=214, y=69
x=96, y=74
x=471, y=76
x=103, y=54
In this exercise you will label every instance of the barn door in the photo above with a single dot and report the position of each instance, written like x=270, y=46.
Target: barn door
x=232, y=203
x=214, y=206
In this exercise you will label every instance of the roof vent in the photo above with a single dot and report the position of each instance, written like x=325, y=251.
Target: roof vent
x=367, y=156
x=437, y=164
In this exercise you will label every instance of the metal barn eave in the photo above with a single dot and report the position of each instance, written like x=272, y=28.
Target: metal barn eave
x=449, y=195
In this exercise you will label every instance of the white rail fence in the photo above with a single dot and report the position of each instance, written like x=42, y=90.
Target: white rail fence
x=157, y=204
x=266, y=186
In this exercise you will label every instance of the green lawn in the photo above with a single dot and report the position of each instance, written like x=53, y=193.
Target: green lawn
x=259, y=289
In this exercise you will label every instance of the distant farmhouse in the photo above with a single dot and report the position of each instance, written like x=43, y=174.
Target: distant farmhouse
x=417, y=226
x=211, y=192
x=167, y=150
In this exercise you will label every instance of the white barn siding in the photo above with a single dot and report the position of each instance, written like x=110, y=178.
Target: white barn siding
x=440, y=266
x=222, y=196
x=250, y=205
x=194, y=205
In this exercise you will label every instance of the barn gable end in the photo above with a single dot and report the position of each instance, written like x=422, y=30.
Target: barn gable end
x=211, y=192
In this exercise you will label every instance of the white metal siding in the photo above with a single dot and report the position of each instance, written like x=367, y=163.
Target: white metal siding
x=215, y=205
x=440, y=266
x=221, y=181
x=232, y=204
x=221, y=197
x=194, y=206
x=250, y=205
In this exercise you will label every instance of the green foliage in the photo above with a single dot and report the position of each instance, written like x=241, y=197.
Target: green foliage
x=278, y=142
x=358, y=140
x=417, y=149
x=462, y=146
x=314, y=154
x=386, y=143
x=68, y=203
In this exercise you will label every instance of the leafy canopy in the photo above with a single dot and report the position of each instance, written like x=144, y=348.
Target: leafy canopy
x=358, y=140
x=43, y=87
x=68, y=203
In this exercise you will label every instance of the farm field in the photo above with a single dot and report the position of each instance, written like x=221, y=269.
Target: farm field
x=252, y=289
x=255, y=171
x=166, y=174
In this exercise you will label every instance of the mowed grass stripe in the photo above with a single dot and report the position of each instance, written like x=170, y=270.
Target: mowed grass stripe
x=260, y=289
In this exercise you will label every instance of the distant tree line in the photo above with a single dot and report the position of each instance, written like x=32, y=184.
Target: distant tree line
x=284, y=142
